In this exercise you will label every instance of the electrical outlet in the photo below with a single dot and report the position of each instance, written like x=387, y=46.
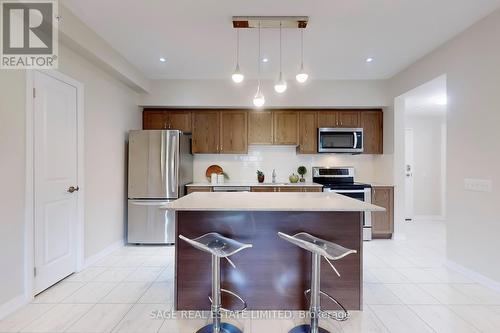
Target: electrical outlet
x=478, y=185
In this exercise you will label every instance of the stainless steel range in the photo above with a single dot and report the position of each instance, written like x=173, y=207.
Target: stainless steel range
x=341, y=180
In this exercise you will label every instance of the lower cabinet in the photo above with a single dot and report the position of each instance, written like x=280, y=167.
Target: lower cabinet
x=191, y=189
x=263, y=189
x=383, y=222
x=287, y=189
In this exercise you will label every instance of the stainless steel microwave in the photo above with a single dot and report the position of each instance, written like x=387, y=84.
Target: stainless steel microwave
x=340, y=140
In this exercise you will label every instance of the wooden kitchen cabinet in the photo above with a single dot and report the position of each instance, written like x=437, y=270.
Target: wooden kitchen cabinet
x=348, y=119
x=155, y=119
x=179, y=120
x=191, y=189
x=340, y=118
x=312, y=189
x=286, y=127
x=289, y=189
x=260, y=128
x=372, y=124
x=205, y=125
x=308, y=132
x=233, y=132
x=383, y=222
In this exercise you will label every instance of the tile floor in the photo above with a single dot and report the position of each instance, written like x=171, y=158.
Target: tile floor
x=407, y=289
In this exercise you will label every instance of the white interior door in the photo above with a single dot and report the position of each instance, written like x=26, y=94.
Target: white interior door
x=55, y=172
x=409, y=174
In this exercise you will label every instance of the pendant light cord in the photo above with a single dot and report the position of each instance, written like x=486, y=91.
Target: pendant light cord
x=237, y=47
x=281, y=58
x=258, y=60
x=301, y=48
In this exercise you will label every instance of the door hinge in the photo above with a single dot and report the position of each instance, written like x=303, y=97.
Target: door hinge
x=34, y=93
x=34, y=271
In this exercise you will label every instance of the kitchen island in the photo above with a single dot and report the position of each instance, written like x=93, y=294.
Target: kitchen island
x=273, y=274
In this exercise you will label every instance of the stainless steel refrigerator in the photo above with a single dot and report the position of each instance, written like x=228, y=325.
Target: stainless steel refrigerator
x=160, y=163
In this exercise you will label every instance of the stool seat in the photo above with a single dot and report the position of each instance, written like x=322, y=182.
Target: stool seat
x=316, y=245
x=216, y=244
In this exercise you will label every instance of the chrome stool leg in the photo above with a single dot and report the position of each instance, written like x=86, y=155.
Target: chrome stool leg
x=315, y=306
x=217, y=326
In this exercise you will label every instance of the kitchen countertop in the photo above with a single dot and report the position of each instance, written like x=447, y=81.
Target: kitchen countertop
x=306, y=184
x=273, y=201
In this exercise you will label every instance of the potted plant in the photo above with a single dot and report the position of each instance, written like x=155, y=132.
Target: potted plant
x=260, y=176
x=302, y=170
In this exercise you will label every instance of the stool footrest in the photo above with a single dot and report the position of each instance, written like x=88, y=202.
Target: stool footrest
x=346, y=313
x=245, y=306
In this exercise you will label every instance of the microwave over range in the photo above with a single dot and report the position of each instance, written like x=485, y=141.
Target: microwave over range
x=340, y=140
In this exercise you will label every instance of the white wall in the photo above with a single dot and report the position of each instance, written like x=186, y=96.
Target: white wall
x=12, y=181
x=110, y=111
x=471, y=64
x=225, y=93
x=243, y=168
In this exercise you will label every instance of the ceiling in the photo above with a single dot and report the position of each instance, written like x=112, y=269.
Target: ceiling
x=198, y=41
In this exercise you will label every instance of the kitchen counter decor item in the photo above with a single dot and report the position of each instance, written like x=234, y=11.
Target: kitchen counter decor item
x=293, y=178
x=302, y=170
x=213, y=169
x=260, y=176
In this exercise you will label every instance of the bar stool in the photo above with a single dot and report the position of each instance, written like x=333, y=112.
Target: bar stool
x=330, y=251
x=219, y=247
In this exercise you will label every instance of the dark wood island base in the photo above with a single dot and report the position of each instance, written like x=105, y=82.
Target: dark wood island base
x=274, y=274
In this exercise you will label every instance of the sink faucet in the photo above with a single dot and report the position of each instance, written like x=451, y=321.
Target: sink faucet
x=274, y=176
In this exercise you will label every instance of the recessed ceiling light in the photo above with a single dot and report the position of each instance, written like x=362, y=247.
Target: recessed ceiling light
x=369, y=60
x=163, y=59
x=265, y=59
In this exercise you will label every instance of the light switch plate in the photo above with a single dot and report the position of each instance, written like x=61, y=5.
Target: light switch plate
x=478, y=185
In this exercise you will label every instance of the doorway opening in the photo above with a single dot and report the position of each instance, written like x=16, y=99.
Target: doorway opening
x=420, y=152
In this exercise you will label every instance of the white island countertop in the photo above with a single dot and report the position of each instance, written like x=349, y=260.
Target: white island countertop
x=270, y=201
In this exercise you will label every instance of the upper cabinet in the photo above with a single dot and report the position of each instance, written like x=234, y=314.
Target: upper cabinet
x=157, y=119
x=341, y=118
x=348, y=119
x=308, y=132
x=154, y=120
x=233, y=132
x=205, y=127
x=260, y=127
x=372, y=124
x=286, y=127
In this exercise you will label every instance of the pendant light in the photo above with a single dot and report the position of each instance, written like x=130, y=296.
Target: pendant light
x=302, y=76
x=237, y=75
x=259, y=100
x=280, y=86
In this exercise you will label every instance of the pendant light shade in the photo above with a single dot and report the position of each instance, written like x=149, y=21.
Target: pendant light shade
x=259, y=100
x=237, y=76
x=280, y=86
x=302, y=76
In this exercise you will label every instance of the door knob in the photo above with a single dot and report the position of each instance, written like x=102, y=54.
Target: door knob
x=73, y=189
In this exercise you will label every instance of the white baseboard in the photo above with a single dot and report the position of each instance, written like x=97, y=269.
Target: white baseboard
x=429, y=218
x=98, y=256
x=11, y=306
x=474, y=276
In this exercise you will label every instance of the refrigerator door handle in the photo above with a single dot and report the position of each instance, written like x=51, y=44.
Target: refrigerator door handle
x=173, y=166
x=162, y=157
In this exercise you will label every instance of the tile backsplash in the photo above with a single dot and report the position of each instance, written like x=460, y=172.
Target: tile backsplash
x=242, y=168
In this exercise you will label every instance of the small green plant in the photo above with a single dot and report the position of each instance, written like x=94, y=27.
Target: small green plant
x=302, y=170
x=260, y=173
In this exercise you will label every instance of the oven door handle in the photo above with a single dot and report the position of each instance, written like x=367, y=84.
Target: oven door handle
x=355, y=140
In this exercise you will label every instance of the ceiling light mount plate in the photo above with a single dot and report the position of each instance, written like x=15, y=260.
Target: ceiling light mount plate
x=270, y=22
